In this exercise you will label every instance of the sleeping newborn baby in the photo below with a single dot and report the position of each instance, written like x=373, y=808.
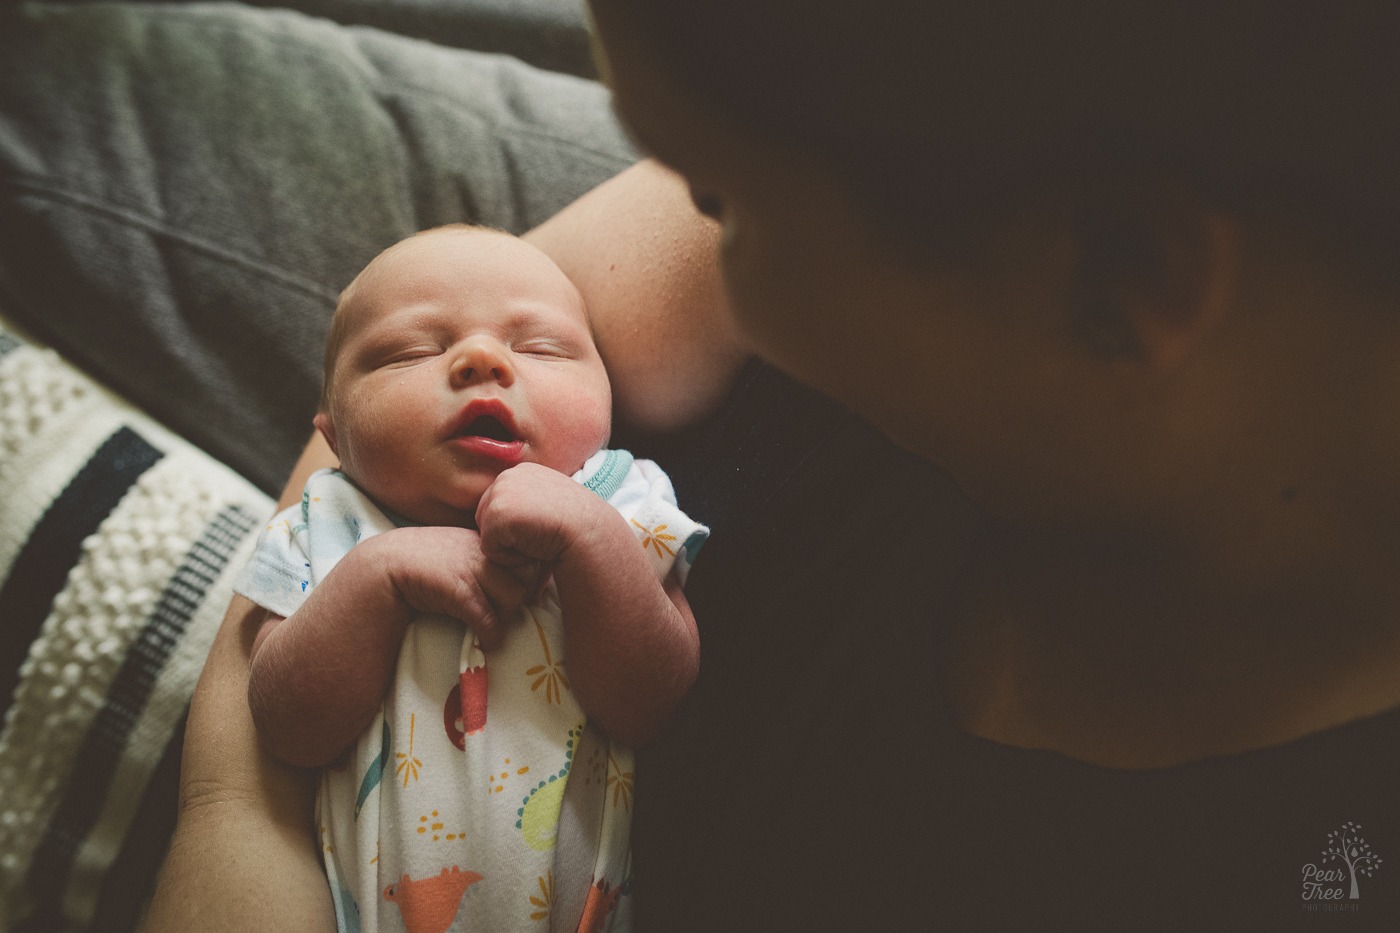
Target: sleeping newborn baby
x=422, y=601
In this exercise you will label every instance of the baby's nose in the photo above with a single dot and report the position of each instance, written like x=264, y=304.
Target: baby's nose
x=480, y=359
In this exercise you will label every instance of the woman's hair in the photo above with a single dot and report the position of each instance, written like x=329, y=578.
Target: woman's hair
x=922, y=106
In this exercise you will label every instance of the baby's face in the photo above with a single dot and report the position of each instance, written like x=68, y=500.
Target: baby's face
x=464, y=352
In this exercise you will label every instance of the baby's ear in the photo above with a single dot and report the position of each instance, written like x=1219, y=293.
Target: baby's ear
x=323, y=423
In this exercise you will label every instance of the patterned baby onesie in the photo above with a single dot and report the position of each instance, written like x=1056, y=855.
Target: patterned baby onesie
x=474, y=802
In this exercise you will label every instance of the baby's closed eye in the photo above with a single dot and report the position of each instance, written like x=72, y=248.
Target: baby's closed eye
x=408, y=355
x=545, y=349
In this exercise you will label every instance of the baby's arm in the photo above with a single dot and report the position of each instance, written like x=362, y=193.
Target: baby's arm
x=630, y=640
x=318, y=677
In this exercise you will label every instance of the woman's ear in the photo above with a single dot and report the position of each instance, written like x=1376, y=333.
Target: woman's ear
x=1156, y=269
x=323, y=423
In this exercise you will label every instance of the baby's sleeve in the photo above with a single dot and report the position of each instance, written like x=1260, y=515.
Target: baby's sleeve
x=278, y=575
x=670, y=538
x=290, y=560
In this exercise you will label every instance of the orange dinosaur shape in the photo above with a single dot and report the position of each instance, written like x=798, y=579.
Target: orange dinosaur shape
x=429, y=905
x=602, y=898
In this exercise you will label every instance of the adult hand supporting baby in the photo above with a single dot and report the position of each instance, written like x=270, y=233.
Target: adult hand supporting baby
x=264, y=872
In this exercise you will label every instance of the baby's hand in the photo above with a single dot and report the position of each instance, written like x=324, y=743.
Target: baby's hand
x=444, y=570
x=531, y=515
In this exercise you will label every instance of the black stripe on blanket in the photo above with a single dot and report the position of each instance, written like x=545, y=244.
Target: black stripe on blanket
x=55, y=544
x=103, y=747
x=130, y=881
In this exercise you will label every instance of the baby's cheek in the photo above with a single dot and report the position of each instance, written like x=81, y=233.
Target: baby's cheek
x=581, y=428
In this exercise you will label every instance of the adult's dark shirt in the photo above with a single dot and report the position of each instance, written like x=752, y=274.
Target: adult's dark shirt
x=814, y=780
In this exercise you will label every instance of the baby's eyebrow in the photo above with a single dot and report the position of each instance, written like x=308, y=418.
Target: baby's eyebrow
x=528, y=313
x=403, y=321
x=388, y=333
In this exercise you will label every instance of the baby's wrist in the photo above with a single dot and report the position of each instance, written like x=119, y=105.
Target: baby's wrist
x=596, y=538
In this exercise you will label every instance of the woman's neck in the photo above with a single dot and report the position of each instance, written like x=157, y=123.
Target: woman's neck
x=1138, y=661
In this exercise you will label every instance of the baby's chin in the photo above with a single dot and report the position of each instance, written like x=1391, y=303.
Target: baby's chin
x=459, y=517
x=460, y=514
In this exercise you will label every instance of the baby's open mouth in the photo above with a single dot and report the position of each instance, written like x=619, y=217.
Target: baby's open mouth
x=488, y=427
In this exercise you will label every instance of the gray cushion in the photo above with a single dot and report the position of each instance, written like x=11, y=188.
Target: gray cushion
x=185, y=189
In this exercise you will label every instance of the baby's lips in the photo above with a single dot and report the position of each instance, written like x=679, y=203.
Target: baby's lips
x=488, y=417
x=507, y=452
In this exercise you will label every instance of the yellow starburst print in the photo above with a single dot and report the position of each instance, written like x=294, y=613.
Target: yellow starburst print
x=550, y=674
x=621, y=783
x=656, y=538
x=545, y=902
x=408, y=765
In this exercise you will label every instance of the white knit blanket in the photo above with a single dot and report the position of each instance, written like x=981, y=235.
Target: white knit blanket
x=118, y=545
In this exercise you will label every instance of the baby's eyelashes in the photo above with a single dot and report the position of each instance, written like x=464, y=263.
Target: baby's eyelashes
x=543, y=349
x=410, y=355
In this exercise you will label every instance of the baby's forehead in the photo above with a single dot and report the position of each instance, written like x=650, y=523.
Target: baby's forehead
x=492, y=272
x=456, y=254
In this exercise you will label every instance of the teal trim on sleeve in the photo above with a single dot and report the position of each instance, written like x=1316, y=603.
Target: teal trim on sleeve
x=608, y=478
x=694, y=543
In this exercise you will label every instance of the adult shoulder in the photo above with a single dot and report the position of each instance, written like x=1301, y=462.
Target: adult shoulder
x=647, y=264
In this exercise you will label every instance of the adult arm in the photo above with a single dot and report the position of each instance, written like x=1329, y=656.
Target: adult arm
x=244, y=855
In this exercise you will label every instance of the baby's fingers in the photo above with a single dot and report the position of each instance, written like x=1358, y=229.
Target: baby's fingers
x=506, y=589
x=530, y=573
x=470, y=602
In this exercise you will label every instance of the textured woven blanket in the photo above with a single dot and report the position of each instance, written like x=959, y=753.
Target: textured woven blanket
x=118, y=545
